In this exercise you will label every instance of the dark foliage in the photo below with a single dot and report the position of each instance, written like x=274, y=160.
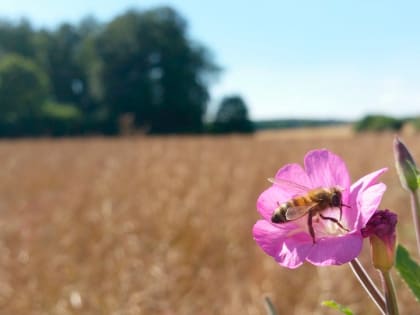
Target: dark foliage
x=141, y=64
x=232, y=116
x=378, y=123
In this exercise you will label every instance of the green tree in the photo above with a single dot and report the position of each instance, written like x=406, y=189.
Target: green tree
x=232, y=116
x=378, y=123
x=59, y=52
x=23, y=87
x=151, y=69
x=23, y=91
x=68, y=56
x=17, y=38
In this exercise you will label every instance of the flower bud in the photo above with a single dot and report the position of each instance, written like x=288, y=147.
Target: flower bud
x=381, y=232
x=406, y=167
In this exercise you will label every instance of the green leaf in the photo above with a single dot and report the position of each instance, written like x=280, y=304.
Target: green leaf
x=409, y=270
x=334, y=305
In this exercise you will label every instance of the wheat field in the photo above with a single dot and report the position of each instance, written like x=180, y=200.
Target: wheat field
x=162, y=225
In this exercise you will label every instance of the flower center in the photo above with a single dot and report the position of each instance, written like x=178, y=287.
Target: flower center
x=329, y=225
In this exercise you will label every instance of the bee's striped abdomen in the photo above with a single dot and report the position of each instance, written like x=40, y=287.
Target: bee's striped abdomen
x=300, y=201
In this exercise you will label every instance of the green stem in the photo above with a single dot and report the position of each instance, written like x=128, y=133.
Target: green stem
x=391, y=299
x=368, y=285
x=415, y=208
x=271, y=310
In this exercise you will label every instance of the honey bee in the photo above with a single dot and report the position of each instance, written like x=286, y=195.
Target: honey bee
x=312, y=202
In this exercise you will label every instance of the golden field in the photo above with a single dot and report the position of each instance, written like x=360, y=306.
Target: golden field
x=162, y=225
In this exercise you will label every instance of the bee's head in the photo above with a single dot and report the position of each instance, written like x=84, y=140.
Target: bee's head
x=336, y=198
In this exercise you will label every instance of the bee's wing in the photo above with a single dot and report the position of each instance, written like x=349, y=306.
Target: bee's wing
x=294, y=213
x=284, y=183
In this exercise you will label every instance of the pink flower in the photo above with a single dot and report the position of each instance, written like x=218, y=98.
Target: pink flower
x=290, y=243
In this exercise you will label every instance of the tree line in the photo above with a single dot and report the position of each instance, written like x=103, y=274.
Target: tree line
x=379, y=123
x=139, y=72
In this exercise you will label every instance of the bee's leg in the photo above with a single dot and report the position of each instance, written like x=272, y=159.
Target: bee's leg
x=310, y=226
x=334, y=220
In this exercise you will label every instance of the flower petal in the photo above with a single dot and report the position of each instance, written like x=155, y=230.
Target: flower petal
x=357, y=202
x=369, y=200
x=293, y=173
x=276, y=241
x=326, y=169
x=369, y=179
x=269, y=200
x=269, y=237
x=351, y=215
x=295, y=250
x=336, y=250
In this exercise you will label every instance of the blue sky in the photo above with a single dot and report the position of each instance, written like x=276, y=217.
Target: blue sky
x=310, y=59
